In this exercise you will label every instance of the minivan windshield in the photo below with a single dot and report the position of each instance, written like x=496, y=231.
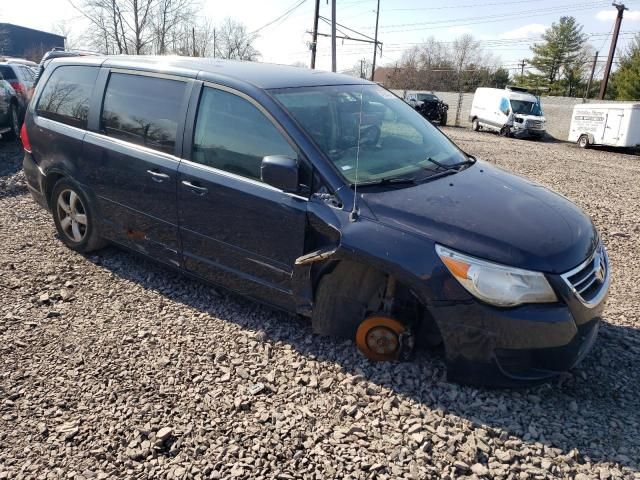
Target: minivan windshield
x=524, y=107
x=394, y=140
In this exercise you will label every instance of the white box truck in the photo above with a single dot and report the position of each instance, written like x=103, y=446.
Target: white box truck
x=612, y=124
x=511, y=112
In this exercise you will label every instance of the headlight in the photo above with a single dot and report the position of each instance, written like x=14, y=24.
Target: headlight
x=494, y=283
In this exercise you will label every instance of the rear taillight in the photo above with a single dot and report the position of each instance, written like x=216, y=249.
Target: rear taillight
x=26, y=144
x=17, y=86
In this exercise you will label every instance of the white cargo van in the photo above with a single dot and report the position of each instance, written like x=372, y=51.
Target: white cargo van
x=612, y=124
x=512, y=112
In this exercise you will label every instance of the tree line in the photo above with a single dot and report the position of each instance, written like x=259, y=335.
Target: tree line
x=160, y=27
x=560, y=64
x=462, y=65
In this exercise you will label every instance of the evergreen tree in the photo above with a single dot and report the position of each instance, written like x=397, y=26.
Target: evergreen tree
x=558, y=56
x=625, y=82
x=499, y=78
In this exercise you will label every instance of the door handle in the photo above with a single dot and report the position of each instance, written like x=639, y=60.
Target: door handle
x=158, y=176
x=197, y=189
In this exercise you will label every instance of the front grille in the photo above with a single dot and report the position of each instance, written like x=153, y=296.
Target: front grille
x=535, y=124
x=590, y=280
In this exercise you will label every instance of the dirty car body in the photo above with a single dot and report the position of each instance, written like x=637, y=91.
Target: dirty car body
x=429, y=106
x=322, y=195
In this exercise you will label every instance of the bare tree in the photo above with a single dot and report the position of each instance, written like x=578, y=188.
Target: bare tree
x=169, y=16
x=124, y=25
x=235, y=42
x=64, y=29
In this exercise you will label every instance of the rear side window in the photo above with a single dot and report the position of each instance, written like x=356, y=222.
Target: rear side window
x=143, y=110
x=66, y=95
x=231, y=134
x=7, y=72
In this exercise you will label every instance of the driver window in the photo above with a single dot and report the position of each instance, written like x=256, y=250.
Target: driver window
x=231, y=134
x=504, y=106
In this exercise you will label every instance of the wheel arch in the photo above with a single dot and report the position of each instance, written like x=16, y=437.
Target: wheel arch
x=51, y=179
x=344, y=285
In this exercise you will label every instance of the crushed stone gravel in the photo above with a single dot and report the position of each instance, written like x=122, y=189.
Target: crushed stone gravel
x=114, y=367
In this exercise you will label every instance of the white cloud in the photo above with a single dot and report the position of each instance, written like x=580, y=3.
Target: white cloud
x=530, y=30
x=610, y=15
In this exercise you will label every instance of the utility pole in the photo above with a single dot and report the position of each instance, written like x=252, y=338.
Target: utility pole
x=333, y=35
x=193, y=37
x=614, y=41
x=375, y=44
x=593, y=69
x=314, y=41
x=214, y=43
x=522, y=65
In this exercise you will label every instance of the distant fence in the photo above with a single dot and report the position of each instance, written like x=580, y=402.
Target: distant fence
x=557, y=110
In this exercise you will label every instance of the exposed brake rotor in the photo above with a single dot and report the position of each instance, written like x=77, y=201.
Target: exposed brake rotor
x=380, y=338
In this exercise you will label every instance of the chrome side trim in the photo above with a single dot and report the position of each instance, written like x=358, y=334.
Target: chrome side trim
x=235, y=176
x=132, y=146
x=600, y=252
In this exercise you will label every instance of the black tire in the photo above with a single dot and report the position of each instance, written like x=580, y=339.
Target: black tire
x=78, y=236
x=14, y=122
x=443, y=119
x=475, y=125
x=583, y=141
x=505, y=131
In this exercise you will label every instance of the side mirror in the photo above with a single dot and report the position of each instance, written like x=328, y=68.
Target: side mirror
x=281, y=172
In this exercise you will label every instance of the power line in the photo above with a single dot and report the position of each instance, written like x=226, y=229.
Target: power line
x=282, y=16
x=487, y=19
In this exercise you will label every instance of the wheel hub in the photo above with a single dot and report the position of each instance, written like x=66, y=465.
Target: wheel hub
x=379, y=338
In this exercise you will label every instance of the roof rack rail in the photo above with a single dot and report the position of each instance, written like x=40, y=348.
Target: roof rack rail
x=59, y=52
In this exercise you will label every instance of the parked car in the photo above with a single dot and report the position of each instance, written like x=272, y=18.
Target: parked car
x=610, y=124
x=21, y=77
x=323, y=195
x=9, y=110
x=511, y=112
x=429, y=106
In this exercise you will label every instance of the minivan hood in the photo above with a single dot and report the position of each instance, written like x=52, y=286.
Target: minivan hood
x=489, y=213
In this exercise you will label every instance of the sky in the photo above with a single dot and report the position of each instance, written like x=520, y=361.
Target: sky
x=505, y=28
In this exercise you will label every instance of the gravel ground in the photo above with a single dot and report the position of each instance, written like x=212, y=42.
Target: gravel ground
x=112, y=367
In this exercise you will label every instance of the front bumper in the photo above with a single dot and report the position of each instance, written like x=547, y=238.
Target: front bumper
x=506, y=347
x=520, y=132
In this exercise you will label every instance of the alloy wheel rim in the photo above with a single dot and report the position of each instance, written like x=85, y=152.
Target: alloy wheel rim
x=72, y=215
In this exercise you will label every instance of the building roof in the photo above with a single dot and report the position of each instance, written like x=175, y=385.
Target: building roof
x=11, y=26
x=261, y=75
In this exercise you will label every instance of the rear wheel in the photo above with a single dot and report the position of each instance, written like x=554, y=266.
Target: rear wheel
x=583, y=141
x=14, y=121
x=74, y=217
x=475, y=125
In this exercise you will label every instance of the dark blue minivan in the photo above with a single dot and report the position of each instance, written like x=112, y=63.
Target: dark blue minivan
x=323, y=195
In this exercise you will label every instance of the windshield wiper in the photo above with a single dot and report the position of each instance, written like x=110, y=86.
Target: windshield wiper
x=388, y=181
x=438, y=164
x=469, y=161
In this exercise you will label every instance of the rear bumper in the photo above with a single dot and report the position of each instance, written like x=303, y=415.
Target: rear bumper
x=35, y=179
